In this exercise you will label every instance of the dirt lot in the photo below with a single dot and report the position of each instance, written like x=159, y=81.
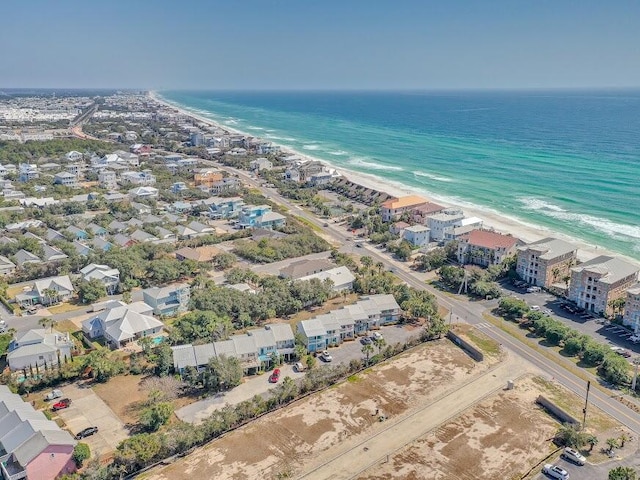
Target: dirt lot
x=123, y=395
x=501, y=437
x=309, y=430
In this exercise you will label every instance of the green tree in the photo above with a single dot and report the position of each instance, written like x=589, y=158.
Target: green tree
x=223, y=373
x=612, y=443
x=81, y=452
x=591, y=440
x=47, y=322
x=104, y=364
x=224, y=260
x=138, y=451
x=126, y=297
x=513, y=308
x=569, y=435
x=163, y=358
x=616, y=369
x=367, y=350
x=156, y=415
x=91, y=291
x=622, y=473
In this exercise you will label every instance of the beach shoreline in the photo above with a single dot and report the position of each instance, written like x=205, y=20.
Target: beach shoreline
x=491, y=219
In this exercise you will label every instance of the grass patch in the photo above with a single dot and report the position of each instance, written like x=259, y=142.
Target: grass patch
x=64, y=307
x=484, y=343
x=13, y=291
x=308, y=223
x=354, y=378
x=66, y=326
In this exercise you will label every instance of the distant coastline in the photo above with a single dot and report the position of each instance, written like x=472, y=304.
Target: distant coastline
x=492, y=219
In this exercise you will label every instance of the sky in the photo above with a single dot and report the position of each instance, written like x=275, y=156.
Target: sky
x=319, y=44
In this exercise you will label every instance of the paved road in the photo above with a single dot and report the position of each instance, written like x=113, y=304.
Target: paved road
x=471, y=312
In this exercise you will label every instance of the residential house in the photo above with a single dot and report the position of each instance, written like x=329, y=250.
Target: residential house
x=421, y=212
x=185, y=232
x=54, y=235
x=76, y=169
x=165, y=235
x=127, y=158
x=260, y=216
x=303, y=268
x=223, y=208
x=631, y=317
x=398, y=227
x=254, y=349
x=341, y=278
x=416, y=235
x=168, y=301
x=120, y=323
x=77, y=233
x=74, y=156
x=100, y=243
x=335, y=327
x=260, y=164
x=595, y=284
x=546, y=262
x=394, y=208
x=485, y=247
x=39, y=347
x=201, y=228
x=301, y=171
x=82, y=249
x=22, y=257
x=319, y=179
x=47, y=291
x=7, y=267
x=27, y=172
x=205, y=254
x=466, y=226
x=207, y=178
x=143, y=192
x=97, y=230
x=66, y=179
x=116, y=226
x=225, y=186
x=109, y=277
x=441, y=222
x=52, y=254
x=31, y=446
x=140, y=236
x=179, y=187
x=108, y=179
x=123, y=241
x=144, y=178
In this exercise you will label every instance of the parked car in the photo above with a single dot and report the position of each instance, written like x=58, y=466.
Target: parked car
x=535, y=308
x=555, y=471
x=275, y=376
x=87, y=432
x=573, y=456
x=53, y=394
x=299, y=367
x=61, y=405
x=3, y=326
x=634, y=338
x=376, y=336
x=533, y=289
x=326, y=356
x=621, y=351
x=366, y=341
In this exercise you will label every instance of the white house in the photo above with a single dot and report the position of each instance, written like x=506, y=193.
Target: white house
x=416, y=235
x=37, y=347
x=47, y=291
x=108, y=179
x=143, y=192
x=341, y=277
x=441, y=222
x=120, y=323
x=109, y=277
x=66, y=179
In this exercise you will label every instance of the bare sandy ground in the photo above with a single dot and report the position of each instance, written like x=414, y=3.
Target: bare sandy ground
x=315, y=432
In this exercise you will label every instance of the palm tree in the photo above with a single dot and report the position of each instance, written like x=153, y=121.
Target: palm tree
x=47, y=322
x=379, y=343
x=612, y=443
x=592, y=440
x=622, y=473
x=367, y=350
x=380, y=267
x=51, y=295
x=624, y=437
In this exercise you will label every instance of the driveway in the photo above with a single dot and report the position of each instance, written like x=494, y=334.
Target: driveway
x=252, y=386
x=594, y=472
x=87, y=410
x=259, y=385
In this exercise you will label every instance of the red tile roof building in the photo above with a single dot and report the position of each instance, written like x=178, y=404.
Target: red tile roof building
x=485, y=247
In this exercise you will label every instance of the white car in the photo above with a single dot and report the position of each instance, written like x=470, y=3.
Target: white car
x=555, y=471
x=634, y=338
x=326, y=356
x=376, y=336
x=573, y=456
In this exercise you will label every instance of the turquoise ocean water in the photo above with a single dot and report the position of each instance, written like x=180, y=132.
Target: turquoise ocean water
x=568, y=161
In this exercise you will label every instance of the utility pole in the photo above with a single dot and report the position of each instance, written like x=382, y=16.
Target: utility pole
x=636, y=362
x=586, y=403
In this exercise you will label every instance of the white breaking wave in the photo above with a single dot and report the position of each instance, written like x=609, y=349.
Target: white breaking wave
x=606, y=226
x=311, y=147
x=374, y=166
x=338, y=153
x=251, y=127
x=434, y=177
x=276, y=137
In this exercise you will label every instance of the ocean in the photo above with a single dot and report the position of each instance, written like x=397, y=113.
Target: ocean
x=565, y=160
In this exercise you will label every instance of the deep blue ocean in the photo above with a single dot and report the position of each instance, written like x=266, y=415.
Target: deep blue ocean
x=567, y=161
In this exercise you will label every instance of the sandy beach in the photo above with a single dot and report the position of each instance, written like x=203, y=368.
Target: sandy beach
x=492, y=219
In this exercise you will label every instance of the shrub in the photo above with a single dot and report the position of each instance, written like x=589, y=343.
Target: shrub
x=81, y=452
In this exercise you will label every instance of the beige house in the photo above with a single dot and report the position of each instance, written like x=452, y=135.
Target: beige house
x=484, y=247
x=631, y=316
x=546, y=262
x=394, y=208
x=596, y=283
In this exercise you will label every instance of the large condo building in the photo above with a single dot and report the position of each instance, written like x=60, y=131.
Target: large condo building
x=596, y=283
x=394, y=208
x=631, y=316
x=546, y=262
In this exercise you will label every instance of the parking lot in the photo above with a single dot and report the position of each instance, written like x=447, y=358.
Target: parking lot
x=87, y=410
x=592, y=472
x=596, y=327
x=260, y=385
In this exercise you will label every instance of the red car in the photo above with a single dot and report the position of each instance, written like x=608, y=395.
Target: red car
x=275, y=376
x=62, y=404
